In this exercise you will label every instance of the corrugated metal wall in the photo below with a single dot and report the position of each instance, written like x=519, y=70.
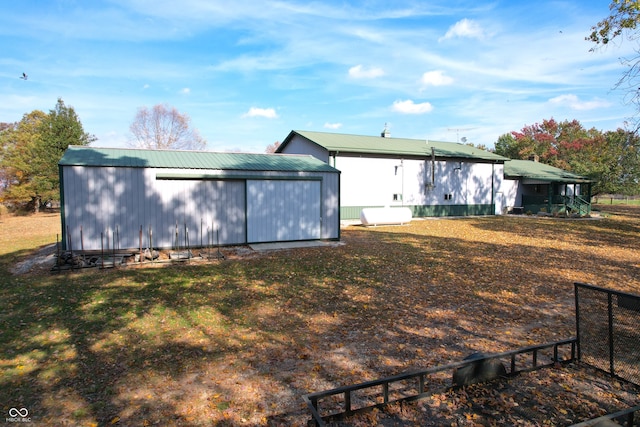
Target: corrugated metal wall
x=283, y=210
x=375, y=182
x=330, y=205
x=117, y=202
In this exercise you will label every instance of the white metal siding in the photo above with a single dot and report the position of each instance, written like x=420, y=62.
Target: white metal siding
x=300, y=145
x=108, y=200
x=374, y=181
x=283, y=210
x=330, y=206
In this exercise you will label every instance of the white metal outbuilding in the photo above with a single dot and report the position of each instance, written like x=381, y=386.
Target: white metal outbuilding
x=431, y=178
x=121, y=196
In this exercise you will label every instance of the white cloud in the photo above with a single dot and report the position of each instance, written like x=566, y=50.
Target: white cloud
x=359, y=72
x=332, y=125
x=268, y=113
x=464, y=28
x=409, y=107
x=435, y=78
x=185, y=91
x=573, y=102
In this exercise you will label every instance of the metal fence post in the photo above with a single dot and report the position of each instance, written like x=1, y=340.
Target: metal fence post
x=610, y=308
x=577, y=299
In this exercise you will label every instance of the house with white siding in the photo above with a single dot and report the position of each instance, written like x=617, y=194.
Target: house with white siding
x=124, y=196
x=435, y=178
x=432, y=178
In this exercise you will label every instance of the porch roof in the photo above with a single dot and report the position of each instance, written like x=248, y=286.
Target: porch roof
x=536, y=172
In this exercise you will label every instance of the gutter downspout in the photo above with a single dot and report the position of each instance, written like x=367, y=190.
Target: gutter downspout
x=433, y=166
x=493, y=189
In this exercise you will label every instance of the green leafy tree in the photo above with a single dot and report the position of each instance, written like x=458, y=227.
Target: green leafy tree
x=31, y=152
x=4, y=130
x=507, y=146
x=625, y=148
x=60, y=129
x=624, y=18
x=595, y=157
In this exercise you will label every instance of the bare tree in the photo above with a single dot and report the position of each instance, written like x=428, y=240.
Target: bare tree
x=164, y=128
x=271, y=148
x=623, y=22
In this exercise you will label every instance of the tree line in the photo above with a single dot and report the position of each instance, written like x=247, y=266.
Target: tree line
x=31, y=148
x=611, y=158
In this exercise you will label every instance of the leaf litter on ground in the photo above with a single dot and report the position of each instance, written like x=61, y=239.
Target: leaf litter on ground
x=239, y=341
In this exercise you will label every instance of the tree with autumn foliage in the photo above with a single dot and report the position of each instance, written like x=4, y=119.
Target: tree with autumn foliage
x=610, y=158
x=31, y=150
x=18, y=142
x=550, y=141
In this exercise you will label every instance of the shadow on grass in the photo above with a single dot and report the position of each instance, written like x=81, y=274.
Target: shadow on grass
x=243, y=340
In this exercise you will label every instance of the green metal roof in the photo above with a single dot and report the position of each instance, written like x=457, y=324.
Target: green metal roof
x=378, y=145
x=137, y=158
x=528, y=169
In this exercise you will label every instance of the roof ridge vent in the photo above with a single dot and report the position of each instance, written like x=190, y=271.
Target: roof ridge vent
x=385, y=132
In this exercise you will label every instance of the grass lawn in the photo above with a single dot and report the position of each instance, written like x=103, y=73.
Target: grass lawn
x=626, y=201
x=239, y=341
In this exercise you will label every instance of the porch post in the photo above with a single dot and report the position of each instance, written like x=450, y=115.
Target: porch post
x=550, y=197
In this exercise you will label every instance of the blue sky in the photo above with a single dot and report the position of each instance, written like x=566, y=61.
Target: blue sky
x=247, y=72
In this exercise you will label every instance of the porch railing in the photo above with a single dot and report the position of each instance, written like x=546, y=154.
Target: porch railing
x=558, y=203
x=578, y=204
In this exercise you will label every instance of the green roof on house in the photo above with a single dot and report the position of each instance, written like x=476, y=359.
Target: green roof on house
x=528, y=169
x=378, y=145
x=174, y=159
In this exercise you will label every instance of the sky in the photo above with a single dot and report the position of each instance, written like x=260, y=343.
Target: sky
x=247, y=72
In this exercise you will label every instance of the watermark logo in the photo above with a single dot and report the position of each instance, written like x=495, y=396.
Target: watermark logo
x=18, y=415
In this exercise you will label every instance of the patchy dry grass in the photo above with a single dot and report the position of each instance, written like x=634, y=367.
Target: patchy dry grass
x=22, y=233
x=237, y=342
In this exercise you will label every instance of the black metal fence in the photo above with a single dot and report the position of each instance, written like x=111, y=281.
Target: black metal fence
x=608, y=330
x=625, y=417
x=340, y=402
x=608, y=338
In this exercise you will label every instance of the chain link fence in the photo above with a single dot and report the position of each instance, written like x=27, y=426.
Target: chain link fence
x=608, y=330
